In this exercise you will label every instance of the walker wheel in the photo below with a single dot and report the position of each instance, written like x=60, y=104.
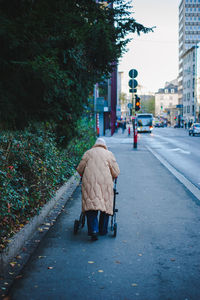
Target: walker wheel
x=76, y=226
x=115, y=230
x=82, y=220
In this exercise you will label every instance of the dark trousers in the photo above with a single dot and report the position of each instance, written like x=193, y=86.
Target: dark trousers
x=94, y=225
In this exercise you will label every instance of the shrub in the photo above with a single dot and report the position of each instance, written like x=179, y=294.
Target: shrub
x=32, y=168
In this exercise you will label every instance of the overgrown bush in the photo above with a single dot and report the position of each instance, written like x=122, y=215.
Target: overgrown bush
x=32, y=168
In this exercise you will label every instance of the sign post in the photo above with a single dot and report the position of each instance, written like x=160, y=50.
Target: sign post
x=135, y=133
x=133, y=84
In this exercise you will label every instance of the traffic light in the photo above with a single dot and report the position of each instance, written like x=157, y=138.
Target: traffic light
x=137, y=103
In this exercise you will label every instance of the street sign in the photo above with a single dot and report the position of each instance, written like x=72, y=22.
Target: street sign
x=133, y=73
x=132, y=90
x=130, y=105
x=132, y=83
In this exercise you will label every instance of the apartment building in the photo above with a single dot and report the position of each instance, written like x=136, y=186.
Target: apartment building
x=191, y=84
x=189, y=36
x=166, y=102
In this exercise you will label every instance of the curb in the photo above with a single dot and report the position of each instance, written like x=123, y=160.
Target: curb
x=55, y=205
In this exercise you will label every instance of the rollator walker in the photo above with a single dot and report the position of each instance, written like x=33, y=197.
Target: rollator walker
x=79, y=224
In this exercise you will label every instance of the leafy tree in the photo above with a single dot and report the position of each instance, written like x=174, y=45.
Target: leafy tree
x=148, y=105
x=52, y=53
x=123, y=98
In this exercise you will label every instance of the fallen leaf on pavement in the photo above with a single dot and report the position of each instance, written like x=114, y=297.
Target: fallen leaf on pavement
x=50, y=268
x=100, y=271
x=13, y=263
x=140, y=254
x=90, y=262
x=117, y=262
x=134, y=284
x=172, y=259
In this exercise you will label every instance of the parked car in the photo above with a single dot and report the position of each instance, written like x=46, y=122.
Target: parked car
x=159, y=125
x=194, y=129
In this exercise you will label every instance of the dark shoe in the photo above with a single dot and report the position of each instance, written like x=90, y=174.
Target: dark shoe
x=94, y=236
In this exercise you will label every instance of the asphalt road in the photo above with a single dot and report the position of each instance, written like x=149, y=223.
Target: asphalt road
x=178, y=148
x=155, y=256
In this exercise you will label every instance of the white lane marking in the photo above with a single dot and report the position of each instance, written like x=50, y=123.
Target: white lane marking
x=180, y=150
x=188, y=184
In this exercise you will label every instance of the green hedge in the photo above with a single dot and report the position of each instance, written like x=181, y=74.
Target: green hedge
x=32, y=168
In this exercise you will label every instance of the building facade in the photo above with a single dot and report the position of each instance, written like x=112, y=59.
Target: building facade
x=166, y=102
x=189, y=36
x=189, y=81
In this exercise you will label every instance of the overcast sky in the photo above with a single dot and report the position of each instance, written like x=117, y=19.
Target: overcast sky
x=154, y=55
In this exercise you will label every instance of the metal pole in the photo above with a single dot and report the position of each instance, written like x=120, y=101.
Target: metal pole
x=135, y=126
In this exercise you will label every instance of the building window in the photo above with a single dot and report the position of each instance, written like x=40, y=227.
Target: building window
x=184, y=109
x=166, y=91
x=172, y=91
x=188, y=109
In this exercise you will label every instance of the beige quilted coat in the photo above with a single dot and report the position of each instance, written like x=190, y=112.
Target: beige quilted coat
x=98, y=168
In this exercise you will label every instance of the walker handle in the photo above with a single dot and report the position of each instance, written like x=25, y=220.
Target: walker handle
x=115, y=183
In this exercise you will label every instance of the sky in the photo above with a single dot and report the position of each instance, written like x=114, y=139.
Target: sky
x=153, y=55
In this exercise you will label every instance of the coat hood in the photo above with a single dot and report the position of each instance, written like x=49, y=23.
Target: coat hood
x=100, y=142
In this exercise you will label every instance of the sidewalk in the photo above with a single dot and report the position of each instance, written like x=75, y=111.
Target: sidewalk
x=155, y=255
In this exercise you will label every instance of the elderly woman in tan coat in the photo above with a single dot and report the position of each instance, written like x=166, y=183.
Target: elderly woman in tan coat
x=98, y=168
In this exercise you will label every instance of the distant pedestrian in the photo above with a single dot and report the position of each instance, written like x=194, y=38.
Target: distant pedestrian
x=116, y=127
x=98, y=168
x=123, y=126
